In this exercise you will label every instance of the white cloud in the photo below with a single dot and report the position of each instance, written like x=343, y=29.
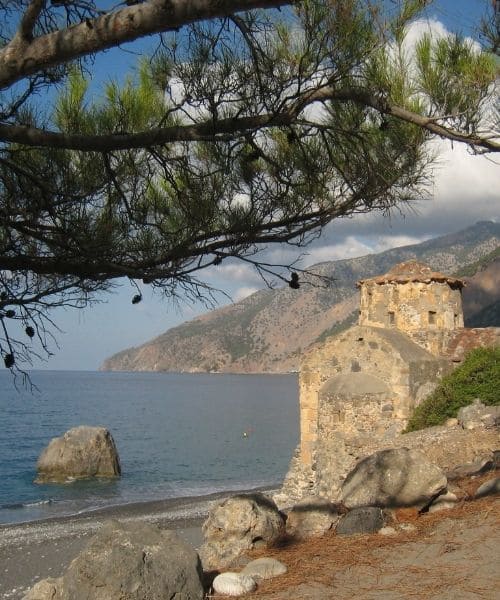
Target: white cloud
x=236, y=271
x=350, y=247
x=461, y=176
x=243, y=292
x=385, y=242
x=421, y=27
x=354, y=246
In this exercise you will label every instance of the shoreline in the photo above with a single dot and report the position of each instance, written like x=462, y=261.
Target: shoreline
x=35, y=550
x=175, y=505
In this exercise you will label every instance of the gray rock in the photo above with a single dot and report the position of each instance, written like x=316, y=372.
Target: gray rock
x=488, y=488
x=312, y=516
x=130, y=561
x=481, y=465
x=80, y=453
x=478, y=415
x=390, y=478
x=264, y=568
x=47, y=589
x=233, y=584
x=238, y=524
x=443, y=502
x=367, y=519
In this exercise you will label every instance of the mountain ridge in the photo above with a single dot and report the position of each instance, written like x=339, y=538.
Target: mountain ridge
x=269, y=330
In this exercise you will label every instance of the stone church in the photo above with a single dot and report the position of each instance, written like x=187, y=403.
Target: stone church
x=358, y=389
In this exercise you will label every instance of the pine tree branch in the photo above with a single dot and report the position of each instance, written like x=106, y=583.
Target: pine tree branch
x=23, y=57
x=28, y=20
x=226, y=129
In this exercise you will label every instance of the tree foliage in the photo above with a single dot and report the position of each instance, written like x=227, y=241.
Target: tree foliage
x=246, y=126
x=477, y=377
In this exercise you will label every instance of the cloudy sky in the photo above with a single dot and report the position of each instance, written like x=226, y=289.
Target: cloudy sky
x=465, y=190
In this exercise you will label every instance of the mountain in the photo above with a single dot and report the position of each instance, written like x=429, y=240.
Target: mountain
x=481, y=298
x=269, y=330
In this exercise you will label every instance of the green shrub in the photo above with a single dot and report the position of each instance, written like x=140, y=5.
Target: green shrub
x=477, y=377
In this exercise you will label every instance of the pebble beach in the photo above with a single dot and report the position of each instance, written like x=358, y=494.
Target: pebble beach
x=40, y=549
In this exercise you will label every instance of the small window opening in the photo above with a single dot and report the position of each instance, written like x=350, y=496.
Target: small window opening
x=432, y=317
x=392, y=318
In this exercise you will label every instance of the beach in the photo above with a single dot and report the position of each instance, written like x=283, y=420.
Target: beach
x=40, y=549
x=451, y=554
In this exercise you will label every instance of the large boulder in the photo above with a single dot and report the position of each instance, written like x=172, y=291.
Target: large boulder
x=312, y=516
x=130, y=561
x=80, y=453
x=395, y=477
x=238, y=524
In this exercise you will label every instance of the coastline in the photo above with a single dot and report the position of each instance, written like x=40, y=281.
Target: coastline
x=36, y=550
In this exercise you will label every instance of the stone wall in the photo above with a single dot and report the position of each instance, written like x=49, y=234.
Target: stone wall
x=408, y=372
x=345, y=423
x=411, y=307
x=447, y=447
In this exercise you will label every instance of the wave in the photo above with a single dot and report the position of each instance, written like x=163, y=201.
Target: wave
x=17, y=505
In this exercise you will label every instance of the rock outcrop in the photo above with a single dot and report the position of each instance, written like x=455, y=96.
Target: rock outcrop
x=128, y=562
x=80, y=453
x=238, y=524
x=394, y=477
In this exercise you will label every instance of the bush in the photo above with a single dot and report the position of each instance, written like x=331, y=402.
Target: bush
x=477, y=377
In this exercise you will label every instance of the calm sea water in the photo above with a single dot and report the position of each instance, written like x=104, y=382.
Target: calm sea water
x=177, y=435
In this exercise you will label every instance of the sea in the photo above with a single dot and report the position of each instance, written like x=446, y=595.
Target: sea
x=178, y=435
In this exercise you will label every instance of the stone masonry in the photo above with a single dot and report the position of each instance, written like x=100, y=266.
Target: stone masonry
x=358, y=389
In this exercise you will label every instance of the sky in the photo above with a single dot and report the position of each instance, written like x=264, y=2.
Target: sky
x=465, y=190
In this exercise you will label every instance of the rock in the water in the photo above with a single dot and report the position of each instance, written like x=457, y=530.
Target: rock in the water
x=131, y=561
x=80, y=453
x=367, y=519
x=233, y=584
x=238, y=524
x=390, y=478
x=488, y=488
x=443, y=502
x=478, y=415
x=312, y=516
x=264, y=568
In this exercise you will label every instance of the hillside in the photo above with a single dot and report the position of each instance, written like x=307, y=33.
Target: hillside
x=269, y=330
